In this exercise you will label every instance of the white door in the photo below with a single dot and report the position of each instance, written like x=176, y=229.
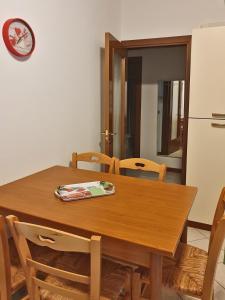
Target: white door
x=207, y=82
x=205, y=166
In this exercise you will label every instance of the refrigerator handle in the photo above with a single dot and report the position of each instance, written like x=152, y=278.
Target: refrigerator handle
x=217, y=125
x=218, y=115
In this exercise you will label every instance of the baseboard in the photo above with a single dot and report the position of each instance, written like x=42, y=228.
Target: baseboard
x=199, y=225
x=175, y=170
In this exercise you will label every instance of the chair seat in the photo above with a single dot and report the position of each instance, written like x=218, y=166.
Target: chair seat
x=41, y=254
x=115, y=279
x=186, y=275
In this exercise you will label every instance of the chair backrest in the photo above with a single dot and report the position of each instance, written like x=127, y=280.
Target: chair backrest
x=94, y=157
x=60, y=241
x=141, y=164
x=215, y=245
x=5, y=272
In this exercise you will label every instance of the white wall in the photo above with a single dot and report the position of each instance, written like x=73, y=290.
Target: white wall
x=50, y=104
x=167, y=63
x=158, y=18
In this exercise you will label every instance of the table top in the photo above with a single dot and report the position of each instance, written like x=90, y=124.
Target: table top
x=142, y=212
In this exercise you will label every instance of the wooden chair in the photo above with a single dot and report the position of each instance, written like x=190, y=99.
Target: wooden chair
x=193, y=271
x=141, y=164
x=76, y=274
x=94, y=157
x=11, y=274
x=12, y=277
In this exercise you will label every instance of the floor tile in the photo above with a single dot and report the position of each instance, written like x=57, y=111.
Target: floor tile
x=220, y=274
x=194, y=234
x=167, y=294
x=219, y=292
x=202, y=244
x=206, y=233
x=170, y=295
x=221, y=258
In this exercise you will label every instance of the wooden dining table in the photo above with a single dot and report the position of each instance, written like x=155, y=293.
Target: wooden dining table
x=141, y=223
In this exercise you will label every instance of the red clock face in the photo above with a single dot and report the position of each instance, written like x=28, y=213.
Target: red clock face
x=18, y=37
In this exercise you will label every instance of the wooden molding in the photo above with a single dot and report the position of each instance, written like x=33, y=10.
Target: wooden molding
x=134, y=88
x=199, y=225
x=186, y=111
x=174, y=170
x=156, y=42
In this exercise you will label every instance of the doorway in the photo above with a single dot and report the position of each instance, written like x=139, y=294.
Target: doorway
x=177, y=135
x=155, y=106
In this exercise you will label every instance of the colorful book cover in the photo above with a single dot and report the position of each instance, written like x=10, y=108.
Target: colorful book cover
x=84, y=190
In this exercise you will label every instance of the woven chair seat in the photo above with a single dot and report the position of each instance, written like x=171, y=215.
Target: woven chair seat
x=41, y=254
x=115, y=278
x=186, y=275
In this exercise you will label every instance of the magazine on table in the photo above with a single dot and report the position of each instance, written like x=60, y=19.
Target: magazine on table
x=84, y=190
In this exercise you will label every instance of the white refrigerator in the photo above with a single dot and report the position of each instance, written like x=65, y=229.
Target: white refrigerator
x=206, y=129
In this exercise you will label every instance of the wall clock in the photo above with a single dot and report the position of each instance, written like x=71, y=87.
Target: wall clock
x=18, y=37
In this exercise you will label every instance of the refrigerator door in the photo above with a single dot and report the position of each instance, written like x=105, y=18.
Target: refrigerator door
x=205, y=166
x=207, y=81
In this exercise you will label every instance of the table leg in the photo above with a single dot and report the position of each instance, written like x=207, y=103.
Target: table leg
x=156, y=276
x=184, y=234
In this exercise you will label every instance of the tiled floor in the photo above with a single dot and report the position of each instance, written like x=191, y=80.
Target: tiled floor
x=200, y=239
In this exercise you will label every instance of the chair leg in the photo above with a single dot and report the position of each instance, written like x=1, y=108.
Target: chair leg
x=136, y=286
x=37, y=295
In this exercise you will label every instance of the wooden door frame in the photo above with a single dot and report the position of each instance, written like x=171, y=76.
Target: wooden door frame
x=112, y=44
x=137, y=131
x=169, y=145
x=167, y=118
x=166, y=42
